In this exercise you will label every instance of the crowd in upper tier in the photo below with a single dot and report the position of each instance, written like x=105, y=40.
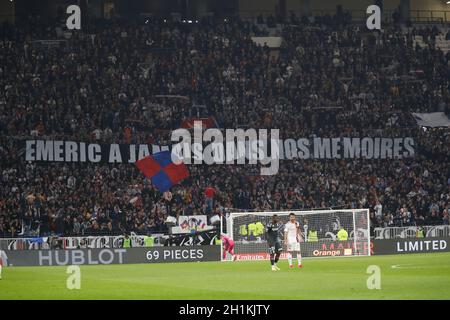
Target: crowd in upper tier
x=330, y=78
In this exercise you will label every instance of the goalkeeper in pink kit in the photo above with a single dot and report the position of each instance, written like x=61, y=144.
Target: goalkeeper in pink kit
x=228, y=246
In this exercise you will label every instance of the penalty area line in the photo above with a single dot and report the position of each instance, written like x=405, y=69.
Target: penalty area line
x=409, y=266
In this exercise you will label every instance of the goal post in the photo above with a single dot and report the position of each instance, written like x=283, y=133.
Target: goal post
x=319, y=228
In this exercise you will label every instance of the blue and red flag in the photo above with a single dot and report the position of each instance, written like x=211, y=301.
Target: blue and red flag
x=162, y=171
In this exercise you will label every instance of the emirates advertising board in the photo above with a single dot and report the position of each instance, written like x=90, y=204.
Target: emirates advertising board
x=253, y=251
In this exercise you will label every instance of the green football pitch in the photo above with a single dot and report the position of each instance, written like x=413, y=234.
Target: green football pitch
x=413, y=276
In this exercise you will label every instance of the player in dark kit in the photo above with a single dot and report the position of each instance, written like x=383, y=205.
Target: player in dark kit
x=274, y=232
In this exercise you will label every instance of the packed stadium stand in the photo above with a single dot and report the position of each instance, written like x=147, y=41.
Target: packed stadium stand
x=110, y=82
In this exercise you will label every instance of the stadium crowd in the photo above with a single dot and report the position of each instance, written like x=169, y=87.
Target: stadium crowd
x=329, y=79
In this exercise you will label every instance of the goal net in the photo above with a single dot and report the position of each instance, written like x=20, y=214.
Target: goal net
x=320, y=229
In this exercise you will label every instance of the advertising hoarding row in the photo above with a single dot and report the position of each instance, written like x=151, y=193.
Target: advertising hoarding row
x=170, y=254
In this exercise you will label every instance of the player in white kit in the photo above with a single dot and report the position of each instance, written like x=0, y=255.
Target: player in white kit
x=292, y=236
x=3, y=261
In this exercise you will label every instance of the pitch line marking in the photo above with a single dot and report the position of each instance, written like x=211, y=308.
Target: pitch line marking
x=409, y=266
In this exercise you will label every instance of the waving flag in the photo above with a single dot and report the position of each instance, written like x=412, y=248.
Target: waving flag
x=162, y=171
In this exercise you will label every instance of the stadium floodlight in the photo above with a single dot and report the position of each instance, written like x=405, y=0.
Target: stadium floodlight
x=319, y=228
